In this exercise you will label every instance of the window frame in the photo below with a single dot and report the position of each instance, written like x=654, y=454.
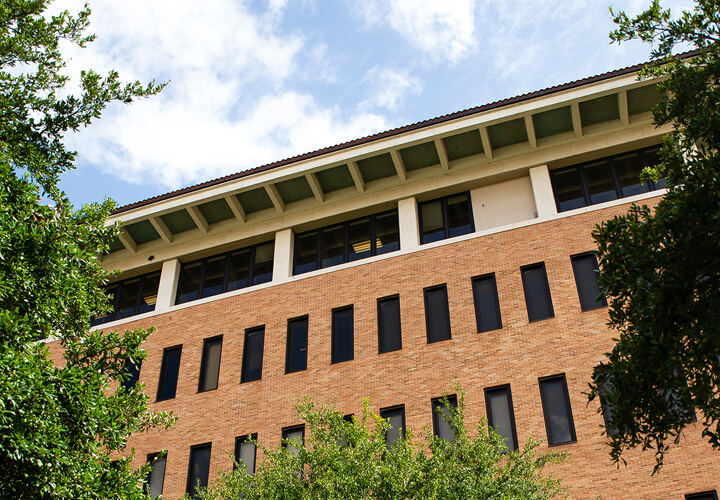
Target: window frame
x=445, y=217
x=334, y=334
x=702, y=495
x=430, y=333
x=476, y=301
x=568, y=410
x=384, y=415
x=548, y=295
x=203, y=272
x=239, y=441
x=346, y=241
x=513, y=427
x=610, y=163
x=112, y=315
x=190, y=487
x=437, y=418
x=163, y=372
x=382, y=328
x=203, y=364
x=152, y=459
x=133, y=377
x=288, y=344
x=575, y=258
x=286, y=431
x=246, y=353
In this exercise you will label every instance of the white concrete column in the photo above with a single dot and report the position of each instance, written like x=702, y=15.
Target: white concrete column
x=542, y=190
x=283, y=258
x=168, y=284
x=409, y=225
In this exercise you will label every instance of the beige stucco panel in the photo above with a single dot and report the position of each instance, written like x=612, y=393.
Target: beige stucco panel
x=504, y=203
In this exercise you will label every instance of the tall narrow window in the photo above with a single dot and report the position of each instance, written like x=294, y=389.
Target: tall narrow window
x=487, y=305
x=445, y=217
x=169, y=371
x=705, y=495
x=297, y=340
x=342, y=334
x=437, y=314
x=556, y=409
x=253, y=354
x=133, y=374
x=245, y=452
x=537, y=292
x=395, y=416
x=501, y=417
x=585, y=269
x=389, y=333
x=293, y=438
x=199, y=468
x=210, y=364
x=439, y=411
x=156, y=476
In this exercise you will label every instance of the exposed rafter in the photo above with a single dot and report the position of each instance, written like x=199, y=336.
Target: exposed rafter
x=198, y=218
x=530, y=127
x=399, y=167
x=442, y=154
x=485, y=138
x=315, y=186
x=128, y=241
x=236, y=208
x=275, y=197
x=624, y=111
x=357, y=176
x=576, y=121
x=162, y=229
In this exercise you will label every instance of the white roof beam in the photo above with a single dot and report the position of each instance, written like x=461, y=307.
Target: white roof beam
x=198, y=218
x=624, y=110
x=128, y=241
x=162, y=229
x=236, y=207
x=487, y=148
x=275, y=197
x=442, y=153
x=315, y=186
x=576, y=121
x=530, y=127
x=399, y=167
x=357, y=176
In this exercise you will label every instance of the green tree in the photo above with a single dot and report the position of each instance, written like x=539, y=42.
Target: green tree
x=343, y=459
x=59, y=423
x=661, y=266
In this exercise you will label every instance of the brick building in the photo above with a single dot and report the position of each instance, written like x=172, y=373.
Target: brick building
x=387, y=266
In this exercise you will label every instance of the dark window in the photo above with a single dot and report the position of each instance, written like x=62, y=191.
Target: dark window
x=199, y=468
x=603, y=180
x=487, y=305
x=293, y=438
x=253, y=354
x=440, y=426
x=389, y=332
x=445, y=217
x=556, y=409
x=346, y=242
x=169, y=371
x=226, y=272
x=245, y=452
x=133, y=375
x=705, y=495
x=607, y=410
x=130, y=297
x=297, y=340
x=501, y=417
x=537, y=292
x=395, y=416
x=210, y=364
x=342, y=334
x=156, y=476
x=585, y=268
x=437, y=314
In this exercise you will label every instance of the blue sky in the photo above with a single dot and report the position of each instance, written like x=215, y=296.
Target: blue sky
x=251, y=82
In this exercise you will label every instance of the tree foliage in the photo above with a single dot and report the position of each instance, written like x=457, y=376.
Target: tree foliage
x=661, y=266
x=343, y=459
x=59, y=423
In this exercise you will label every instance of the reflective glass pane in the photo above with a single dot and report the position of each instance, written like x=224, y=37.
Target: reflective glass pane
x=210, y=367
x=585, y=269
x=306, y=252
x=568, y=189
x=432, y=222
x=537, y=293
x=627, y=169
x=359, y=239
x=262, y=270
x=110, y=291
x=396, y=419
x=600, y=182
x=214, y=276
x=437, y=315
x=459, y=215
x=557, y=418
x=487, y=306
x=239, y=270
x=297, y=345
x=189, y=282
x=333, y=246
x=199, y=469
x=652, y=158
x=387, y=233
x=253, y=355
x=127, y=298
x=389, y=335
x=156, y=477
x=245, y=454
x=169, y=371
x=500, y=416
x=440, y=426
x=342, y=335
x=149, y=293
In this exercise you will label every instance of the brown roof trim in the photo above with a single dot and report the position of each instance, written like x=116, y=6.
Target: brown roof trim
x=393, y=132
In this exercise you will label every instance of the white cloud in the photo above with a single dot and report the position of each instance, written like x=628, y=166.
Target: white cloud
x=389, y=87
x=443, y=30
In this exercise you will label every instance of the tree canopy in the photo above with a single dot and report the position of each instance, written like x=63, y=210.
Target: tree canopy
x=59, y=423
x=343, y=458
x=661, y=266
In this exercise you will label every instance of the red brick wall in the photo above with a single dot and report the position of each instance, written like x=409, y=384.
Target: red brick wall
x=518, y=354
